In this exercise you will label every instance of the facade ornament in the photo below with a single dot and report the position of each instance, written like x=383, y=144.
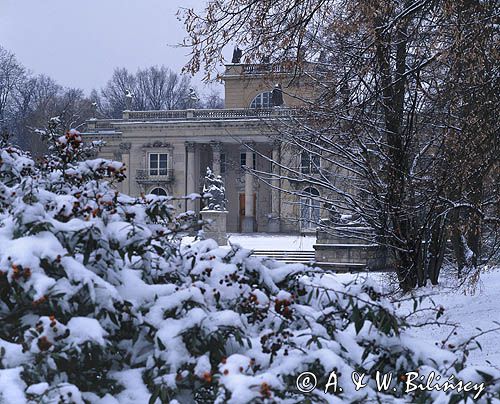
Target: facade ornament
x=125, y=147
x=190, y=146
x=157, y=144
x=216, y=146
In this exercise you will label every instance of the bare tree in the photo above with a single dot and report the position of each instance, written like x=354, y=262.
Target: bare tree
x=153, y=88
x=38, y=99
x=113, y=94
x=472, y=86
x=212, y=100
x=160, y=88
x=12, y=74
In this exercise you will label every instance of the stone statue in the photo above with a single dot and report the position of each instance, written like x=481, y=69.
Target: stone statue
x=277, y=95
x=214, y=186
x=237, y=53
x=128, y=100
x=333, y=214
x=192, y=98
x=95, y=108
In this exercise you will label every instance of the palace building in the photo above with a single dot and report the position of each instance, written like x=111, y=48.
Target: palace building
x=168, y=152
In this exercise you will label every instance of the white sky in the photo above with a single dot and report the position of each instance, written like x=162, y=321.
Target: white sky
x=80, y=42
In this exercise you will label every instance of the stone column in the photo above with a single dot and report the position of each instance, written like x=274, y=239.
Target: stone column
x=190, y=174
x=249, y=219
x=125, y=152
x=274, y=218
x=216, y=150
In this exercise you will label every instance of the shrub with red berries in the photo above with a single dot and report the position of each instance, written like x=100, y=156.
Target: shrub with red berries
x=101, y=302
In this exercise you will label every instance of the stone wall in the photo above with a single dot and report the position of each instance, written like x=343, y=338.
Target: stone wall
x=350, y=244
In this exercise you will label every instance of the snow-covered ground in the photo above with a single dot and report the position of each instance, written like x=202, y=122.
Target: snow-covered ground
x=263, y=241
x=473, y=311
x=266, y=241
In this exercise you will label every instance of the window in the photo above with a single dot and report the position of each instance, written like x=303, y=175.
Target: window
x=223, y=163
x=243, y=160
x=263, y=100
x=159, y=192
x=309, y=208
x=309, y=163
x=158, y=163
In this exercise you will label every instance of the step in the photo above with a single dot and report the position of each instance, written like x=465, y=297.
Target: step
x=273, y=252
x=283, y=251
x=285, y=257
x=308, y=258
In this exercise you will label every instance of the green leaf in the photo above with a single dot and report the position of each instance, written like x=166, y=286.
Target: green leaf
x=486, y=376
x=357, y=319
x=161, y=345
x=155, y=395
x=113, y=318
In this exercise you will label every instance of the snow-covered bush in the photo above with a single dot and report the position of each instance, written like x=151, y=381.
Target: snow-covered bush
x=100, y=303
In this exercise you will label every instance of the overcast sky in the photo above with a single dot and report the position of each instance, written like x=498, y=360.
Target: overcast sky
x=80, y=42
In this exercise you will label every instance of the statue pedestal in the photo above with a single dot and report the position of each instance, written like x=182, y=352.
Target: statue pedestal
x=350, y=247
x=215, y=225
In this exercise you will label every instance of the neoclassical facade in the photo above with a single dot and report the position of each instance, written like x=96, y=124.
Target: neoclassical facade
x=167, y=152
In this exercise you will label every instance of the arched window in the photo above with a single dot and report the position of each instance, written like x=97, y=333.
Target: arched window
x=159, y=191
x=263, y=100
x=309, y=208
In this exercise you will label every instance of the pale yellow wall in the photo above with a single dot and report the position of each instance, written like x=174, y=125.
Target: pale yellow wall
x=241, y=88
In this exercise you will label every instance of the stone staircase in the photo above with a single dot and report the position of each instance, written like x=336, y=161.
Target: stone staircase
x=308, y=258
x=290, y=257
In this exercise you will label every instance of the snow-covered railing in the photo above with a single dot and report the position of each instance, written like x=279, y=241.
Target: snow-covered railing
x=264, y=68
x=206, y=114
x=101, y=125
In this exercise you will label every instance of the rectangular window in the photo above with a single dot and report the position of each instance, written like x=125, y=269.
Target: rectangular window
x=243, y=160
x=309, y=163
x=158, y=163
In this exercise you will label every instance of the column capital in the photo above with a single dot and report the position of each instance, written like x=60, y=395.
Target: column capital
x=125, y=147
x=216, y=145
x=190, y=146
x=248, y=146
x=276, y=144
